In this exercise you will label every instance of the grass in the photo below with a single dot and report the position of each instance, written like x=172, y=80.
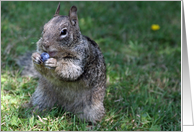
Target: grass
x=143, y=66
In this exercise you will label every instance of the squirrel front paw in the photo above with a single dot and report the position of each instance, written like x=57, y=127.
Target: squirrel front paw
x=36, y=58
x=50, y=63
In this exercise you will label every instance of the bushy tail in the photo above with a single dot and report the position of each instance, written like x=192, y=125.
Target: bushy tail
x=26, y=65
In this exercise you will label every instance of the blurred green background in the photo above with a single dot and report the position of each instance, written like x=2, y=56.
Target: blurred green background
x=143, y=65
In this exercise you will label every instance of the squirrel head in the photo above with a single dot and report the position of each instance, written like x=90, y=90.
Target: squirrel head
x=61, y=32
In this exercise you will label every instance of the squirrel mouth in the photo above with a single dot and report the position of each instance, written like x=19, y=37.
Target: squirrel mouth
x=52, y=53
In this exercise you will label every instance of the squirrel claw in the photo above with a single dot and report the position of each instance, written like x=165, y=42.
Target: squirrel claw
x=36, y=58
x=50, y=63
x=37, y=62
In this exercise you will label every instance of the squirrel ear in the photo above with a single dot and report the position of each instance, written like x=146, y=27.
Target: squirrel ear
x=57, y=11
x=73, y=15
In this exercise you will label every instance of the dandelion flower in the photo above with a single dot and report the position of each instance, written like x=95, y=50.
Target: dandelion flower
x=155, y=27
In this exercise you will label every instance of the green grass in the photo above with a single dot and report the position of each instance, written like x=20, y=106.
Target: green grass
x=143, y=66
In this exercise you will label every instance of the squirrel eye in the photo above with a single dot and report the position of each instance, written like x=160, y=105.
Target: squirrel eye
x=63, y=31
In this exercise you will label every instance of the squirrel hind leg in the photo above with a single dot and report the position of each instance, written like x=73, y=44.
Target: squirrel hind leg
x=26, y=65
x=92, y=114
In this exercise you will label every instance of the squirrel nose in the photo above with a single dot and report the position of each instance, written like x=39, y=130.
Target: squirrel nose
x=46, y=46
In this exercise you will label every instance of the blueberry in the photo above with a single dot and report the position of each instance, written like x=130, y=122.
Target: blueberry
x=44, y=56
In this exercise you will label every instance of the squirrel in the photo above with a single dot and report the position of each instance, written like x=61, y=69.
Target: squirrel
x=74, y=77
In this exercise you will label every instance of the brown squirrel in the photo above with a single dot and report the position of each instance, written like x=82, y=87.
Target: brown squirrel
x=74, y=77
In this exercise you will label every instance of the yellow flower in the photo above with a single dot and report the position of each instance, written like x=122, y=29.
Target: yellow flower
x=155, y=27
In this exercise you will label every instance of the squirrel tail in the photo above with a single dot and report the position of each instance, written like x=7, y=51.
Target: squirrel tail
x=26, y=65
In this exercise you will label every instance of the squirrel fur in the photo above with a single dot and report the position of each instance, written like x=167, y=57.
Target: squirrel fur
x=74, y=77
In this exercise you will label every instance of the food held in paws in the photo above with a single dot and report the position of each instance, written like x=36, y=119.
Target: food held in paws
x=44, y=56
